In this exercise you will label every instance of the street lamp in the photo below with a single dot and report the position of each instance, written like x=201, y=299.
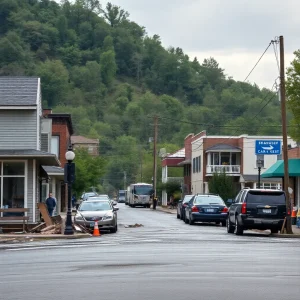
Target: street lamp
x=259, y=164
x=69, y=173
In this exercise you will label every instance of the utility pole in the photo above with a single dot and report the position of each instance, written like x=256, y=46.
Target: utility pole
x=155, y=154
x=141, y=162
x=125, y=179
x=284, y=137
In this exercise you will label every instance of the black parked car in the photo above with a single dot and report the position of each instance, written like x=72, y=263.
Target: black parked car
x=206, y=208
x=182, y=205
x=257, y=209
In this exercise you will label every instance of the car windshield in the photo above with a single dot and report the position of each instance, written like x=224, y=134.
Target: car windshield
x=267, y=197
x=95, y=206
x=143, y=190
x=208, y=200
x=187, y=198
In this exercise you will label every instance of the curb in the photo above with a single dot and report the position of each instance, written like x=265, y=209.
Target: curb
x=45, y=237
x=166, y=211
x=286, y=236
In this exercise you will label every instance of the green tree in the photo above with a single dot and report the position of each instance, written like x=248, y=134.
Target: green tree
x=293, y=92
x=89, y=170
x=108, y=67
x=114, y=14
x=222, y=185
x=55, y=81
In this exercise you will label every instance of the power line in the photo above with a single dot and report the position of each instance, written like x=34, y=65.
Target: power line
x=275, y=44
x=258, y=61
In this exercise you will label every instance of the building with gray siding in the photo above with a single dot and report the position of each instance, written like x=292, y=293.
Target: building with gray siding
x=21, y=156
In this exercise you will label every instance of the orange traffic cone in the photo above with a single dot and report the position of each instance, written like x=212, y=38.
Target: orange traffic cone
x=96, y=229
x=294, y=215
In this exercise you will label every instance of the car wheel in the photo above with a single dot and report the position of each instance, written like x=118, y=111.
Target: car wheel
x=191, y=222
x=182, y=217
x=178, y=216
x=239, y=230
x=186, y=221
x=274, y=230
x=114, y=230
x=230, y=227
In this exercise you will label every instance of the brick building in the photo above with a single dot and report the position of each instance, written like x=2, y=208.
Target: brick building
x=57, y=138
x=92, y=145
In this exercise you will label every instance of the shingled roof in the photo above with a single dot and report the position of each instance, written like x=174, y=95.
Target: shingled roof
x=78, y=139
x=18, y=91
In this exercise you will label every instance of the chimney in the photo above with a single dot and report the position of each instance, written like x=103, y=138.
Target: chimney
x=46, y=112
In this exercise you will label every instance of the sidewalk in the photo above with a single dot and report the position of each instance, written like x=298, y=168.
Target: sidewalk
x=166, y=209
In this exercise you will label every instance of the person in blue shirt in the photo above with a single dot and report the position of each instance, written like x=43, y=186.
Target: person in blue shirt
x=51, y=203
x=73, y=200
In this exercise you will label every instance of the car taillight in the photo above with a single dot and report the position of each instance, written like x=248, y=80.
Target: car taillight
x=244, y=208
x=195, y=209
x=225, y=210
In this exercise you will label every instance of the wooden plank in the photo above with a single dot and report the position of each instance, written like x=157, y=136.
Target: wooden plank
x=14, y=218
x=45, y=214
x=14, y=210
x=40, y=226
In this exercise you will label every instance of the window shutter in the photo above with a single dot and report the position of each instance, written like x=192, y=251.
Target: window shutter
x=44, y=142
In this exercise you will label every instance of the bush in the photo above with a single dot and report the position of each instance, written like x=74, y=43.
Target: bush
x=222, y=185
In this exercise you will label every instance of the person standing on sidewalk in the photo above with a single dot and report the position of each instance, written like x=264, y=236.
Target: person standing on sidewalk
x=51, y=204
x=154, y=202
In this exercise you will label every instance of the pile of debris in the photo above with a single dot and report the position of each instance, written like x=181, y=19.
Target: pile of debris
x=52, y=226
x=134, y=225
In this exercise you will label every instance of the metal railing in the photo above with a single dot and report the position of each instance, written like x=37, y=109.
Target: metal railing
x=228, y=169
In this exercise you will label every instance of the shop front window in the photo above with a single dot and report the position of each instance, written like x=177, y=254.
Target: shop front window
x=12, y=184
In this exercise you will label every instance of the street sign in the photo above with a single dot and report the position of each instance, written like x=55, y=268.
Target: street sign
x=268, y=147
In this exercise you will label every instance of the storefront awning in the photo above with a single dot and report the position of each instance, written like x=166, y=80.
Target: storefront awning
x=53, y=171
x=44, y=158
x=277, y=170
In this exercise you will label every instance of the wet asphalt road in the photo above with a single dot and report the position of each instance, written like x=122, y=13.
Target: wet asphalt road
x=165, y=259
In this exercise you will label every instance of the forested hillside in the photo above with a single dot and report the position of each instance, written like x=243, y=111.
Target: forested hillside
x=98, y=64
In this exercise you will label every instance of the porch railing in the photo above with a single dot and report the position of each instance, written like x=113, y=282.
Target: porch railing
x=179, y=179
x=228, y=169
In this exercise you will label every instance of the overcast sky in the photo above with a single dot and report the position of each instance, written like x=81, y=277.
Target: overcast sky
x=234, y=32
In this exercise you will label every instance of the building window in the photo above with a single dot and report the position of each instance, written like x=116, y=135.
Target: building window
x=55, y=145
x=90, y=149
x=194, y=165
x=268, y=185
x=12, y=185
x=199, y=164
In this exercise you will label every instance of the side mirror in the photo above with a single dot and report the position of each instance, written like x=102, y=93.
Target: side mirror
x=116, y=208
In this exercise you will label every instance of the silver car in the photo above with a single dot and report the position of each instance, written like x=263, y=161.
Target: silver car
x=102, y=197
x=97, y=210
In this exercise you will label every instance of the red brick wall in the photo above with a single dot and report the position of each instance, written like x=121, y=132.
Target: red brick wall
x=188, y=146
x=60, y=128
x=47, y=111
x=294, y=153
